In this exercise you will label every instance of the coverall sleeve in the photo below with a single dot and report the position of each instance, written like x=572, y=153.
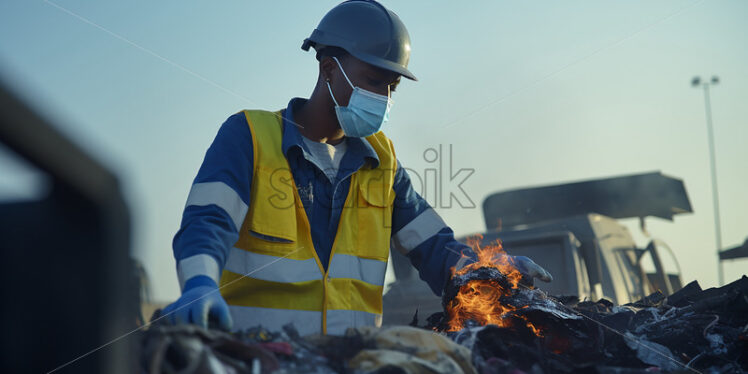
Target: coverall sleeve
x=420, y=233
x=217, y=203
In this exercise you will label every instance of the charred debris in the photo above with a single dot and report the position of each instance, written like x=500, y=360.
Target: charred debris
x=692, y=330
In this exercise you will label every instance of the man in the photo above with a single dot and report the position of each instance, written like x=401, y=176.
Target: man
x=293, y=213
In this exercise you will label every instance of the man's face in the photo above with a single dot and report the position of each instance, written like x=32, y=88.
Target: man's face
x=361, y=74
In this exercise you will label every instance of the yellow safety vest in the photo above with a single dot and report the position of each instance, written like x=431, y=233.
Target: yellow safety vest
x=273, y=275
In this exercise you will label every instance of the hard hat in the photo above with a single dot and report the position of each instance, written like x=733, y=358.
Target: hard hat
x=368, y=31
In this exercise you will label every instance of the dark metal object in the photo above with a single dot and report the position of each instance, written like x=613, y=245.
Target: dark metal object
x=660, y=275
x=65, y=257
x=740, y=251
x=642, y=195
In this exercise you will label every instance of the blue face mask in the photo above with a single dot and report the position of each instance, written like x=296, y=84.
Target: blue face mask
x=366, y=111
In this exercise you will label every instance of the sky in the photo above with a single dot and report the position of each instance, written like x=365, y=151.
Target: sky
x=523, y=93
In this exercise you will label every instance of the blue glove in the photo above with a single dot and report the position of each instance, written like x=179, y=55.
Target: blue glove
x=201, y=303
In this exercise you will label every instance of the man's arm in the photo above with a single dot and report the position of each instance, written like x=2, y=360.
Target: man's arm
x=419, y=233
x=217, y=203
x=216, y=207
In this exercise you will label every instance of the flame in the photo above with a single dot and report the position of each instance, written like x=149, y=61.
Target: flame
x=492, y=256
x=479, y=300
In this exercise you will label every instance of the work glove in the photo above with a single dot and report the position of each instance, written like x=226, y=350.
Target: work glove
x=200, y=304
x=529, y=268
x=524, y=265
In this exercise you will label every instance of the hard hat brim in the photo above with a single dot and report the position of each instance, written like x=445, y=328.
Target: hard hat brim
x=369, y=59
x=385, y=64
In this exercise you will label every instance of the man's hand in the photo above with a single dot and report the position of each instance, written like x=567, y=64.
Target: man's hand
x=201, y=303
x=524, y=265
x=529, y=268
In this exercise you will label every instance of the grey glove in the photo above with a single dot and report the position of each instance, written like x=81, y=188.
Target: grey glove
x=529, y=268
x=524, y=265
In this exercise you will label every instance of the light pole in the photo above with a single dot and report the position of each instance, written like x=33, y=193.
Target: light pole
x=696, y=82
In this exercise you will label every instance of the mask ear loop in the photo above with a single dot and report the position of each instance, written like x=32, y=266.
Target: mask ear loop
x=331, y=94
x=344, y=74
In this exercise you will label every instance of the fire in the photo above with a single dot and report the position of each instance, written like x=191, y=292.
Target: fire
x=492, y=256
x=479, y=300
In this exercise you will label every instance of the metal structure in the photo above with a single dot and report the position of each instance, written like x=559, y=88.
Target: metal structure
x=66, y=281
x=696, y=82
x=740, y=251
x=631, y=196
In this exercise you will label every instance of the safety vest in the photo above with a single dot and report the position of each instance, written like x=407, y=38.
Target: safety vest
x=273, y=275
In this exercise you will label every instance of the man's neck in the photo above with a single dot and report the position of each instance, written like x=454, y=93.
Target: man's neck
x=317, y=122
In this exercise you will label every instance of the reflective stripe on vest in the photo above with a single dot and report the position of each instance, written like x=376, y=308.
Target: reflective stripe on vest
x=273, y=275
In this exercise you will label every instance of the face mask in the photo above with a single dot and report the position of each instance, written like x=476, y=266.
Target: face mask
x=366, y=111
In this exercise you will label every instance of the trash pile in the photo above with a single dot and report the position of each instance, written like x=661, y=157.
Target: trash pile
x=189, y=349
x=692, y=330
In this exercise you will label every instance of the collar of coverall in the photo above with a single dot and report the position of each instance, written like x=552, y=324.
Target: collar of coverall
x=360, y=150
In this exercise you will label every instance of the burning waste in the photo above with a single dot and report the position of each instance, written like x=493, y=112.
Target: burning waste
x=509, y=325
x=485, y=292
x=494, y=321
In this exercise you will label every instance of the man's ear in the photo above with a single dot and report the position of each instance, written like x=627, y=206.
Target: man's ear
x=326, y=67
